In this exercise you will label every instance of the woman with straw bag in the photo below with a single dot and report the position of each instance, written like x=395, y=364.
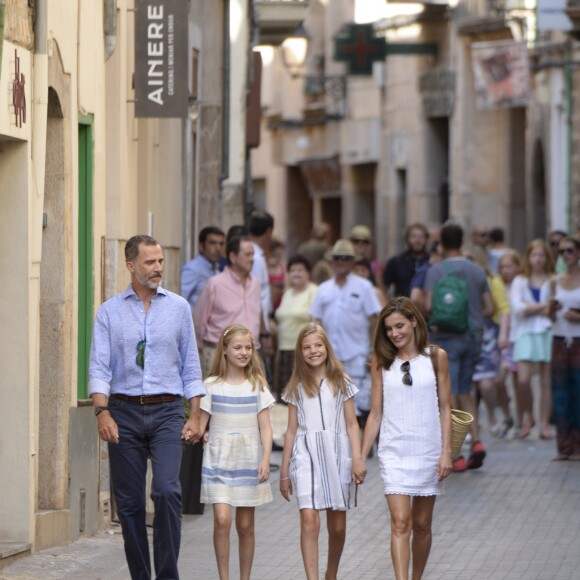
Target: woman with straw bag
x=412, y=408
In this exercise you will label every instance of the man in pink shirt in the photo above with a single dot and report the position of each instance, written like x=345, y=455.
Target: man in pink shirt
x=230, y=297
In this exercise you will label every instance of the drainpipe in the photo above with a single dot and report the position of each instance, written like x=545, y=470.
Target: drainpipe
x=40, y=27
x=568, y=76
x=110, y=26
x=226, y=70
x=39, y=99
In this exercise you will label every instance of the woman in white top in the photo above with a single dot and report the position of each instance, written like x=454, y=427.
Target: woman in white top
x=291, y=316
x=566, y=353
x=531, y=333
x=412, y=407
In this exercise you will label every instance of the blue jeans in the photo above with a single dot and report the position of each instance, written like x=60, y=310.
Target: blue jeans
x=463, y=353
x=148, y=431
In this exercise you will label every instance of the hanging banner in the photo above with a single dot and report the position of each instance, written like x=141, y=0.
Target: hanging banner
x=161, y=70
x=501, y=72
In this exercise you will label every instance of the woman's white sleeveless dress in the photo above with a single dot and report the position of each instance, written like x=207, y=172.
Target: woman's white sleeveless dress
x=410, y=440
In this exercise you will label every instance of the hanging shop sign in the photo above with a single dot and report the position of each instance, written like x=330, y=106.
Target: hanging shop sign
x=501, y=71
x=437, y=89
x=161, y=71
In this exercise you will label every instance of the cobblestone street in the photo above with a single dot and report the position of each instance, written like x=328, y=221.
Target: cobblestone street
x=517, y=517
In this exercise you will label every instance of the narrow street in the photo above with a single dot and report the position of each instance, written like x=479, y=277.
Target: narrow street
x=517, y=517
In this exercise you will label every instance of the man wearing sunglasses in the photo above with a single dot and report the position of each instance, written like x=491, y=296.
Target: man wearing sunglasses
x=143, y=362
x=347, y=307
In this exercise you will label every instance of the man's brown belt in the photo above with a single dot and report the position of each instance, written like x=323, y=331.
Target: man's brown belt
x=146, y=399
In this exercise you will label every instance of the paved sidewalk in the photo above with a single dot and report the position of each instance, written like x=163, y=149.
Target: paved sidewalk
x=517, y=517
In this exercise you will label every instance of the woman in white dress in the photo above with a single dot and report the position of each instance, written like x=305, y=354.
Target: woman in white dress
x=412, y=407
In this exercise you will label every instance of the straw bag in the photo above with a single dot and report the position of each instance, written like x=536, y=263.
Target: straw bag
x=460, y=420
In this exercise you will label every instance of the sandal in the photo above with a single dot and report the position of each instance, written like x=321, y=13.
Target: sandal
x=526, y=428
x=547, y=434
x=561, y=457
x=505, y=427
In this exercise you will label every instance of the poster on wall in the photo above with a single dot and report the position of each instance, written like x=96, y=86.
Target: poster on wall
x=161, y=69
x=501, y=72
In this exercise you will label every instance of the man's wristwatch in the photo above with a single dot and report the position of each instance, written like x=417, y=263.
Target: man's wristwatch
x=99, y=410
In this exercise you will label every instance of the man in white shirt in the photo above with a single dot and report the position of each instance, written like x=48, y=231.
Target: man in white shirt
x=347, y=307
x=261, y=226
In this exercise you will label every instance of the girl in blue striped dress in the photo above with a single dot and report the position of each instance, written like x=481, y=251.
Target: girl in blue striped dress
x=322, y=455
x=236, y=460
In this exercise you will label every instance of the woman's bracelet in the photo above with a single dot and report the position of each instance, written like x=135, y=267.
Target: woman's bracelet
x=284, y=478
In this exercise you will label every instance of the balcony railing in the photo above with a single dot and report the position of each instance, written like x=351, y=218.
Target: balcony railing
x=278, y=19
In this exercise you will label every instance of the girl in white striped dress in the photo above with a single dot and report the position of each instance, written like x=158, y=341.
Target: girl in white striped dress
x=321, y=455
x=236, y=460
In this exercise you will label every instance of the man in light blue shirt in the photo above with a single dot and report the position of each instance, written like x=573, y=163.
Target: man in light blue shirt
x=143, y=361
x=196, y=273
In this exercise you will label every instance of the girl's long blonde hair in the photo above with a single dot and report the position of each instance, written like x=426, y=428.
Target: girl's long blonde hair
x=513, y=257
x=549, y=263
x=254, y=370
x=303, y=373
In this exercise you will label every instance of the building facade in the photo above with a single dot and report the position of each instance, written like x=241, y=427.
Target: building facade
x=80, y=173
x=439, y=130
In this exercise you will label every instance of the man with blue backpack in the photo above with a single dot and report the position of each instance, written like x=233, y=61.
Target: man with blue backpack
x=457, y=300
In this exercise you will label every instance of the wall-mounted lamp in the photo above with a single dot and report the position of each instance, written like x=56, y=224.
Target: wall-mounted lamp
x=294, y=51
x=193, y=107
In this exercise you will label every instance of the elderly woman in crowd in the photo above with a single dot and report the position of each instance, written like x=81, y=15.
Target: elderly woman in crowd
x=292, y=314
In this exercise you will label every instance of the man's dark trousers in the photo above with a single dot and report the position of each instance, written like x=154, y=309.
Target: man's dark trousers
x=148, y=431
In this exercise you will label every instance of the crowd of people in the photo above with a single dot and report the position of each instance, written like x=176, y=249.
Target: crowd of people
x=351, y=346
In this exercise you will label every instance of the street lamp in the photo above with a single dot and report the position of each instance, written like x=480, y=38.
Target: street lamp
x=294, y=52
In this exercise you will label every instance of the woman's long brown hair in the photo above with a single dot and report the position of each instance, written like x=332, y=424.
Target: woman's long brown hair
x=385, y=352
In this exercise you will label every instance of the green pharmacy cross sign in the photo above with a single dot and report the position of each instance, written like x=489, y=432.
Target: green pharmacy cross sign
x=357, y=45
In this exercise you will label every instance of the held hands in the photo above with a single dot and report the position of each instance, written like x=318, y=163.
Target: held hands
x=552, y=307
x=359, y=470
x=286, y=487
x=108, y=430
x=445, y=465
x=263, y=471
x=191, y=432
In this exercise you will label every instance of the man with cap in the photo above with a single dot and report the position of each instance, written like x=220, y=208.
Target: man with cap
x=347, y=307
x=362, y=240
